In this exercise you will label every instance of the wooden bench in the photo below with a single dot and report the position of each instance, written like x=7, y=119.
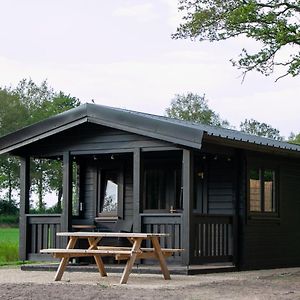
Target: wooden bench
x=120, y=253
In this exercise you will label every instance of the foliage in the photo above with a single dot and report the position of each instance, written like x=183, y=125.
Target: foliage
x=9, y=220
x=8, y=208
x=294, y=138
x=194, y=108
x=23, y=105
x=261, y=129
x=273, y=23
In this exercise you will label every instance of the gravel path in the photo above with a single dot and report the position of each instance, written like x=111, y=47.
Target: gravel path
x=266, y=284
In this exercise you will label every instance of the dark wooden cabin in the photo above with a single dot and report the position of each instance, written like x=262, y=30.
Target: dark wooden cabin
x=224, y=196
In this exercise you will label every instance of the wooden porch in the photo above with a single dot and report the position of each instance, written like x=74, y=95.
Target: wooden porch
x=213, y=239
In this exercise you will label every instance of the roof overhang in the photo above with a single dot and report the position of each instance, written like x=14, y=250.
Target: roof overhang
x=104, y=116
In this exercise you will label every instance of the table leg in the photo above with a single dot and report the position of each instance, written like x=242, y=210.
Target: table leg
x=130, y=262
x=161, y=258
x=64, y=261
x=93, y=245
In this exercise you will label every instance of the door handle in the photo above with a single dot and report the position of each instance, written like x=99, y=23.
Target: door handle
x=172, y=210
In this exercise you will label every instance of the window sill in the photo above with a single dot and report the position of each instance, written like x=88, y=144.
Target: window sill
x=106, y=219
x=263, y=218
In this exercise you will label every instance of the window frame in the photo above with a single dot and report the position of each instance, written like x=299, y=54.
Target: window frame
x=100, y=192
x=163, y=165
x=263, y=214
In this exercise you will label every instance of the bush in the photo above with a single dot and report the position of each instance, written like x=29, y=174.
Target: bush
x=8, y=208
x=9, y=220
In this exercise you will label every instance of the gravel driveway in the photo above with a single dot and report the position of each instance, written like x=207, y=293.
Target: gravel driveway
x=266, y=284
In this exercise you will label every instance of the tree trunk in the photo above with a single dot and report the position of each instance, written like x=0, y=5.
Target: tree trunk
x=40, y=191
x=59, y=197
x=9, y=187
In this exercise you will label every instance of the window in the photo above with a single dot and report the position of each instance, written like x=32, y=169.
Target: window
x=263, y=197
x=110, y=197
x=110, y=188
x=162, y=188
x=76, y=190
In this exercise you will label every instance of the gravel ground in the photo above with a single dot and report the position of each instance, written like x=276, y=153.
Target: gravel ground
x=265, y=284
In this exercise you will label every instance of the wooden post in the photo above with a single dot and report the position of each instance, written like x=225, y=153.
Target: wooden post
x=67, y=193
x=187, y=185
x=238, y=184
x=24, y=206
x=136, y=190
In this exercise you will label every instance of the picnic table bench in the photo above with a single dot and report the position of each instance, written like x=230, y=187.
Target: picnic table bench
x=119, y=253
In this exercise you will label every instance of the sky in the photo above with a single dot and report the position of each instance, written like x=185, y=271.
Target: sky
x=120, y=53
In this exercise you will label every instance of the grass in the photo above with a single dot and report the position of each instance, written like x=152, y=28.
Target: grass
x=9, y=246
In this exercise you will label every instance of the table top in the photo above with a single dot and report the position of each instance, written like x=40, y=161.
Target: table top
x=112, y=234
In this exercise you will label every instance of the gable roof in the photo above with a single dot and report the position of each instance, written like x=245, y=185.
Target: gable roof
x=105, y=116
x=163, y=128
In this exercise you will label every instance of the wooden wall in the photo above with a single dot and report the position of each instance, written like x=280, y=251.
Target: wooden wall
x=87, y=138
x=221, y=193
x=269, y=243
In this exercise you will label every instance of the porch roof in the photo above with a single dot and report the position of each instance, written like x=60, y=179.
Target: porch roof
x=159, y=127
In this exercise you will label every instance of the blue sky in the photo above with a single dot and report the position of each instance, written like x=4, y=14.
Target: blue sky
x=120, y=53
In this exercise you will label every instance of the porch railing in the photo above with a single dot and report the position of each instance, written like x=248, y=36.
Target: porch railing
x=212, y=238
x=164, y=223
x=41, y=234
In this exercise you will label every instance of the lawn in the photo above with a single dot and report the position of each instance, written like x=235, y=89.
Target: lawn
x=9, y=245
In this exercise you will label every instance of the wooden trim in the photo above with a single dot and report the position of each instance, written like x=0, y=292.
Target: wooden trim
x=155, y=149
x=24, y=206
x=120, y=169
x=187, y=185
x=67, y=192
x=101, y=151
x=137, y=190
x=38, y=137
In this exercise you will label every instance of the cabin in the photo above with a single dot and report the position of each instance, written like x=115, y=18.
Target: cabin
x=222, y=195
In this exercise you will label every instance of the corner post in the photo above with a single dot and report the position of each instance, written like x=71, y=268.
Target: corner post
x=136, y=190
x=187, y=186
x=24, y=206
x=67, y=192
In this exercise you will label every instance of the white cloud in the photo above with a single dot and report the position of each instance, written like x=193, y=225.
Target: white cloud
x=149, y=87
x=174, y=16
x=143, y=12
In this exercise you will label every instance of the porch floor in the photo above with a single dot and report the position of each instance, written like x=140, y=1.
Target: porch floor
x=140, y=268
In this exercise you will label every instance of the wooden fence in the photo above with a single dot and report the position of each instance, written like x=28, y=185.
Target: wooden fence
x=41, y=234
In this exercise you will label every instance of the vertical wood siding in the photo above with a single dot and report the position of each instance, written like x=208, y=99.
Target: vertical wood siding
x=268, y=243
x=221, y=193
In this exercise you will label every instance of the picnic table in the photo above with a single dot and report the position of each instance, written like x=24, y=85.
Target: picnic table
x=96, y=250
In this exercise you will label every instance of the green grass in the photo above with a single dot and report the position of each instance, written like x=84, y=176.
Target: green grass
x=9, y=245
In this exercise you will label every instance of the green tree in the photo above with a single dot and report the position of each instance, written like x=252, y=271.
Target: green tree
x=23, y=105
x=194, y=108
x=261, y=129
x=273, y=23
x=11, y=118
x=294, y=138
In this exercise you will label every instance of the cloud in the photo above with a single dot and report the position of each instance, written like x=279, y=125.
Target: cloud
x=143, y=12
x=174, y=15
x=149, y=86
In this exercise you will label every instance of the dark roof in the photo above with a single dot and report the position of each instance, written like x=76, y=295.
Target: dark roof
x=159, y=127
x=228, y=134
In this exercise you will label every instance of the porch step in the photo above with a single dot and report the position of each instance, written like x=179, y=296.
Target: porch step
x=139, y=269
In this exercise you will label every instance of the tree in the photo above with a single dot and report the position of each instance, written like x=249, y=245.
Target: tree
x=272, y=23
x=261, y=129
x=194, y=108
x=23, y=105
x=11, y=118
x=294, y=138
